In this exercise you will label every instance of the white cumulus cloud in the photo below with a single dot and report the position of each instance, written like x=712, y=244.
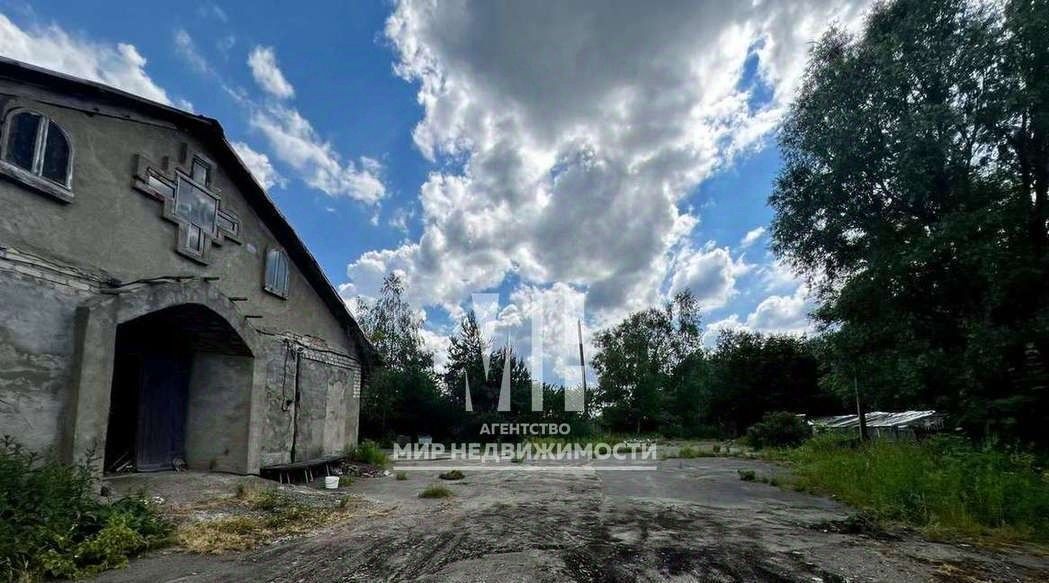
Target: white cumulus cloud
x=567, y=135
x=119, y=65
x=776, y=314
x=263, y=64
x=709, y=273
x=294, y=141
x=259, y=164
x=751, y=237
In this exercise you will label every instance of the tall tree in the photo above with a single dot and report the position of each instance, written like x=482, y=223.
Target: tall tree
x=914, y=196
x=402, y=397
x=394, y=327
x=465, y=364
x=466, y=350
x=635, y=362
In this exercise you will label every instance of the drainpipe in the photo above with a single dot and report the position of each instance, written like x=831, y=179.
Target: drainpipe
x=295, y=411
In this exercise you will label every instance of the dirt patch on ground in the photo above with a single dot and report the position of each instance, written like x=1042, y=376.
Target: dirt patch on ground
x=690, y=520
x=220, y=513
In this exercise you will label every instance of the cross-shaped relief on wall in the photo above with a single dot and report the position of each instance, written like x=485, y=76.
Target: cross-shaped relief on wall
x=190, y=201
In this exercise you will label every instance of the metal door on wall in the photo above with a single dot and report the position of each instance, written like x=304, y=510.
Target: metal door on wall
x=321, y=406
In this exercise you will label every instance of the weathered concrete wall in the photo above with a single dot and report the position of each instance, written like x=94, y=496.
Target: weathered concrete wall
x=111, y=230
x=280, y=395
x=219, y=402
x=326, y=419
x=36, y=351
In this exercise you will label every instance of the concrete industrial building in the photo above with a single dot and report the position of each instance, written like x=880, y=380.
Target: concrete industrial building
x=155, y=306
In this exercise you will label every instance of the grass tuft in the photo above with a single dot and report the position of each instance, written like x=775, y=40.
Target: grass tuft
x=268, y=513
x=368, y=452
x=689, y=452
x=435, y=491
x=402, y=475
x=452, y=475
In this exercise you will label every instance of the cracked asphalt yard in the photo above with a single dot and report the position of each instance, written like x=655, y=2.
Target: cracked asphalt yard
x=688, y=520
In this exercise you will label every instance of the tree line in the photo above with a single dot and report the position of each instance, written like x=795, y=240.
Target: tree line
x=409, y=397
x=654, y=376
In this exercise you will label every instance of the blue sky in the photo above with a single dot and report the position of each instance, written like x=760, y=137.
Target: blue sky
x=593, y=152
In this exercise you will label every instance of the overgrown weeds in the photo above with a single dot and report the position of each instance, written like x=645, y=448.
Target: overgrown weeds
x=266, y=514
x=368, y=452
x=945, y=486
x=435, y=491
x=688, y=452
x=53, y=525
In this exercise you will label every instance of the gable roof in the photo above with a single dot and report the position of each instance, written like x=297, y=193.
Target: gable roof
x=209, y=131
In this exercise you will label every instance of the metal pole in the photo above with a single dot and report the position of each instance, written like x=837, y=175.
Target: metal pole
x=582, y=363
x=859, y=409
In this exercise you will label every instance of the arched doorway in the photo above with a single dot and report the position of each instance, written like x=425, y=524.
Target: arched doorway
x=180, y=393
x=171, y=365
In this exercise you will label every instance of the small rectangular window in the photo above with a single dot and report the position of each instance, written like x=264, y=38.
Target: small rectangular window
x=194, y=239
x=201, y=172
x=277, y=273
x=228, y=224
x=161, y=186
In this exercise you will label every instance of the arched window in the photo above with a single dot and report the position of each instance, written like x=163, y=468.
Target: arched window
x=36, y=144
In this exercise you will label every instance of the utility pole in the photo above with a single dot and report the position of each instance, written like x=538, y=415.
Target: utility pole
x=859, y=409
x=582, y=363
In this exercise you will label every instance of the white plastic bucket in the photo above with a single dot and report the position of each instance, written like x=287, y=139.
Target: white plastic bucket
x=331, y=482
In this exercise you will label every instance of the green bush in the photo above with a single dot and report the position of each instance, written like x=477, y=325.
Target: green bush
x=944, y=485
x=687, y=452
x=778, y=429
x=435, y=491
x=368, y=452
x=52, y=525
